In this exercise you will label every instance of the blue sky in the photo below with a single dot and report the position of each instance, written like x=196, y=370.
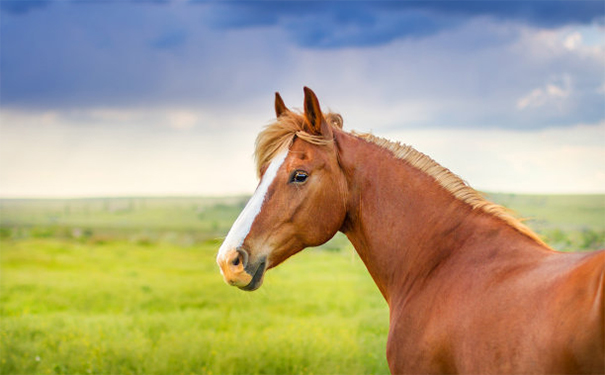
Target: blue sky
x=166, y=97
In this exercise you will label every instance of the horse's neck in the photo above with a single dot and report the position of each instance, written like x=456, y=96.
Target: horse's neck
x=401, y=221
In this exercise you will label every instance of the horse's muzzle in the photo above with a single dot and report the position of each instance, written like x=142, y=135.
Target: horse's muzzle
x=238, y=271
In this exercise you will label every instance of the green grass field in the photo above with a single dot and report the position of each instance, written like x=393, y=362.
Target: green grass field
x=123, y=308
x=130, y=286
x=566, y=222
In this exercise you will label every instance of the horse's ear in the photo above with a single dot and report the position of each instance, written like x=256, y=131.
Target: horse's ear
x=315, y=120
x=280, y=107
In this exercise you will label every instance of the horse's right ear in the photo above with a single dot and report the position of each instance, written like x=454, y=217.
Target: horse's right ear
x=313, y=115
x=280, y=107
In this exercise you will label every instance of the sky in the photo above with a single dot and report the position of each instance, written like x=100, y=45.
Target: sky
x=147, y=98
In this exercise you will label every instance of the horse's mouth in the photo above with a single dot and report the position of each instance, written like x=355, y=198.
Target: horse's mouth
x=257, y=277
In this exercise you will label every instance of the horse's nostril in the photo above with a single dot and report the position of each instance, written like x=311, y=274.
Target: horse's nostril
x=243, y=254
x=235, y=261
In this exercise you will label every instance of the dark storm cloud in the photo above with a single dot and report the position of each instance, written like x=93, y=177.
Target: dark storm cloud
x=537, y=13
x=74, y=55
x=66, y=55
x=22, y=6
x=359, y=23
x=170, y=39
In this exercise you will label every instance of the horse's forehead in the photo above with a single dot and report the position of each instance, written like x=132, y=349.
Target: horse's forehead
x=302, y=150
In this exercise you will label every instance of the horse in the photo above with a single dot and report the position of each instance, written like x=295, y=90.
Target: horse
x=470, y=288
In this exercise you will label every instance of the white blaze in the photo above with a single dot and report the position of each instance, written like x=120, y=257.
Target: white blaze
x=242, y=225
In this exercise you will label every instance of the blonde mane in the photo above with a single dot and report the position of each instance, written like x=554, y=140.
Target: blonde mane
x=281, y=133
x=450, y=182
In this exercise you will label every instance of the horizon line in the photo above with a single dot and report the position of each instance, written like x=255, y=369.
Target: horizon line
x=247, y=195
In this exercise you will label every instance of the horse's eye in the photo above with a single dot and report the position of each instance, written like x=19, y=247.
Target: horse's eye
x=299, y=177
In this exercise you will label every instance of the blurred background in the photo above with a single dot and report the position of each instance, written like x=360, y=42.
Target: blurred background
x=127, y=132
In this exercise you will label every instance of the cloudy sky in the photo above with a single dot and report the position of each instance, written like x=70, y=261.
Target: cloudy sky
x=113, y=98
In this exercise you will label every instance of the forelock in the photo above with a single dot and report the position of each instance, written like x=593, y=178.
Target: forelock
x=280, y=134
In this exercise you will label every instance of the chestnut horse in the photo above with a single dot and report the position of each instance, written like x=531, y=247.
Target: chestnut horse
x=470, y=288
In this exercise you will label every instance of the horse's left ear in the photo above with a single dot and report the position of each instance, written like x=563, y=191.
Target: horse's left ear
x=315, y=121
x=280, y=107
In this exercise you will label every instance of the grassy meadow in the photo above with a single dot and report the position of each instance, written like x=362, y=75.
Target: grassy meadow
x=130, y=286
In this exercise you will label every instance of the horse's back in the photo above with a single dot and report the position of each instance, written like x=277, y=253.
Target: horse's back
x=564, y=318
x=544, y=317
x=549, y=317
x=554, y=314
x=580, y=300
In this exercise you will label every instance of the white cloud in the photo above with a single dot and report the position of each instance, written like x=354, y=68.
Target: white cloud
x=551, y=93
x=573, y=40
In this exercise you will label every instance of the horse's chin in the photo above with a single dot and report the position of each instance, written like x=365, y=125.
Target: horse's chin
x=258, y=276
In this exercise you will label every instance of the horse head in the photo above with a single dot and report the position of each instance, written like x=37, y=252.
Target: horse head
x=300, y=200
